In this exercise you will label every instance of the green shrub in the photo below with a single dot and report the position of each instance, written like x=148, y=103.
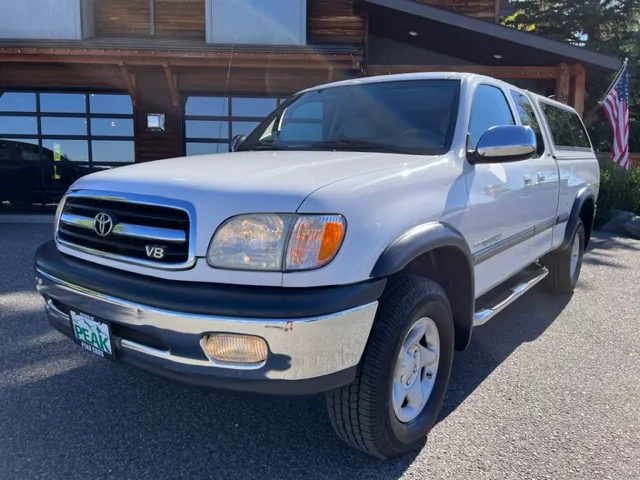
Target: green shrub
x=619, y=189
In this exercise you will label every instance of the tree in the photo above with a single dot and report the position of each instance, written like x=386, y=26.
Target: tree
x=606, y=26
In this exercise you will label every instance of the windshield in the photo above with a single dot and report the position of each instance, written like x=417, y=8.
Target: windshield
x=414, y=116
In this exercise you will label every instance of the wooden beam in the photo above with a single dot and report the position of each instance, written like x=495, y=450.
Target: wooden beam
x=304, y=60
x=128, y=82
x=172, y=83
x=222, y=62
x=563, y=83
x=503, y=72
x=579, y=86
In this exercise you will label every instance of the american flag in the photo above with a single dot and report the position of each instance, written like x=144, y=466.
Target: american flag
x=616, y=106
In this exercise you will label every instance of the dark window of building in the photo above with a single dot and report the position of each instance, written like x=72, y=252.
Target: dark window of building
x=17, y=102
x=64, y=126
x=207, y=106
x=109, y=103
x=566, y=128
x=113, y=151
x=50, y=139
x=528, y=118
x=63, y=149
x=63, y=102
x=253, y=107
x=26, y=150
x=243, y=128
x=489, y=109
x=207, y=129
x=112, y=127
x=10, y=125
x=210, y=121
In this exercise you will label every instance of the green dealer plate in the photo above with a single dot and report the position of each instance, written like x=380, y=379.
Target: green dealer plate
x=92, y=335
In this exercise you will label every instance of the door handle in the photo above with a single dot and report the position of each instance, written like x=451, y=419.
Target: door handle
x=527, y=180
x=540, y=177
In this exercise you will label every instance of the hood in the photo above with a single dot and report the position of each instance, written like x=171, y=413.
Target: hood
x=224, y=185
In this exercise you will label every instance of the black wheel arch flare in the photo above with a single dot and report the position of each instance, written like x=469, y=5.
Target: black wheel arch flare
x=424, y=239
x=585, y=198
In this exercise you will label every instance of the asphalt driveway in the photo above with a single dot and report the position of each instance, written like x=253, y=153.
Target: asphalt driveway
x=548, y=389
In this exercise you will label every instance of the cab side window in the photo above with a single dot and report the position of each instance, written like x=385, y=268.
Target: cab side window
x=489, y=109
x=528, y=118
x=580, y=137
x=566, y=128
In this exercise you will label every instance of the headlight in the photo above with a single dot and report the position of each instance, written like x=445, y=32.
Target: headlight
x=254, y=242
x=276, y=242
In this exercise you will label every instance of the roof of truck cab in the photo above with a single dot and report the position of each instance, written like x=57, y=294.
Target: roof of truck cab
x=550, y=101
x=399, y=77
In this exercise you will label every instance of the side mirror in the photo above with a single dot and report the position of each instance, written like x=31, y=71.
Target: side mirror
x=236, y=142
x=505, y=143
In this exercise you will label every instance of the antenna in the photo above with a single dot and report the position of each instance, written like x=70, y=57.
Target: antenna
x=226, y=98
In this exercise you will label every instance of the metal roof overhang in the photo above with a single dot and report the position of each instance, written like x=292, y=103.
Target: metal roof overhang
x=473, y=39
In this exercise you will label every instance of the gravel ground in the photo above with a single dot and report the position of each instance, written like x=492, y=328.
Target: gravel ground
x=548, y=389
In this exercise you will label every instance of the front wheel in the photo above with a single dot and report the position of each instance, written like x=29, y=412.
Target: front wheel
x=403, y=376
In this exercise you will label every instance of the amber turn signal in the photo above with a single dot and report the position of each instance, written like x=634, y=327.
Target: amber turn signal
x=315, y=240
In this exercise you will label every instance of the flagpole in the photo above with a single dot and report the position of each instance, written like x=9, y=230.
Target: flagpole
x=616, y=78
x=590, y=117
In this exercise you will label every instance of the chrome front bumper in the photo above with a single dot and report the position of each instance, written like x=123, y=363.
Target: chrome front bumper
x=299, y=349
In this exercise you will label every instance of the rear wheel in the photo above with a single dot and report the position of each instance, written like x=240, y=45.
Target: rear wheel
x=403, y=376
x=565, y=265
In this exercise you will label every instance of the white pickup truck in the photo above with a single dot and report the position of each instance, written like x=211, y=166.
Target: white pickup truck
x=348, y=245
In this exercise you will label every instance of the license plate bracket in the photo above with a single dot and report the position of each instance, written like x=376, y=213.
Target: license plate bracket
x=91, y=334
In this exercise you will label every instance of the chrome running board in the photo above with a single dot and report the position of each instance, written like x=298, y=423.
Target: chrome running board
x=524, y=282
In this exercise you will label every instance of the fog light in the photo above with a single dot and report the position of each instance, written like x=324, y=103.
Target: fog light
x=229, y=348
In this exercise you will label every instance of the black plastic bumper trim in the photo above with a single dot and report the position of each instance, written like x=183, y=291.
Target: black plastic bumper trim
x=207, y=298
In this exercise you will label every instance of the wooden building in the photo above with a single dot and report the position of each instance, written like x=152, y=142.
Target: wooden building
x=79, y=79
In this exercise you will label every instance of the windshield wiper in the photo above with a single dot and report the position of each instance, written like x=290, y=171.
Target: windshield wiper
x=349, y=144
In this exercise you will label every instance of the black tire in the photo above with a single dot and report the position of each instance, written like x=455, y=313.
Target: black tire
x=362, y=413
x=561, y=280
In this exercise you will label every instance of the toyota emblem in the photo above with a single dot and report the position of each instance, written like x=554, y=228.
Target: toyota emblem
x=103, y=224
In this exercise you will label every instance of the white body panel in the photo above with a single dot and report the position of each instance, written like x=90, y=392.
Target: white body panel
x=576, y=169
x=382, y=206
x=381, y=195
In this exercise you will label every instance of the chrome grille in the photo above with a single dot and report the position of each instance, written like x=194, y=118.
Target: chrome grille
x=136, y=227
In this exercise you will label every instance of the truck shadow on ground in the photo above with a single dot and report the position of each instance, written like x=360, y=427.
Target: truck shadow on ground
x=522, y=322
x=599, y=247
